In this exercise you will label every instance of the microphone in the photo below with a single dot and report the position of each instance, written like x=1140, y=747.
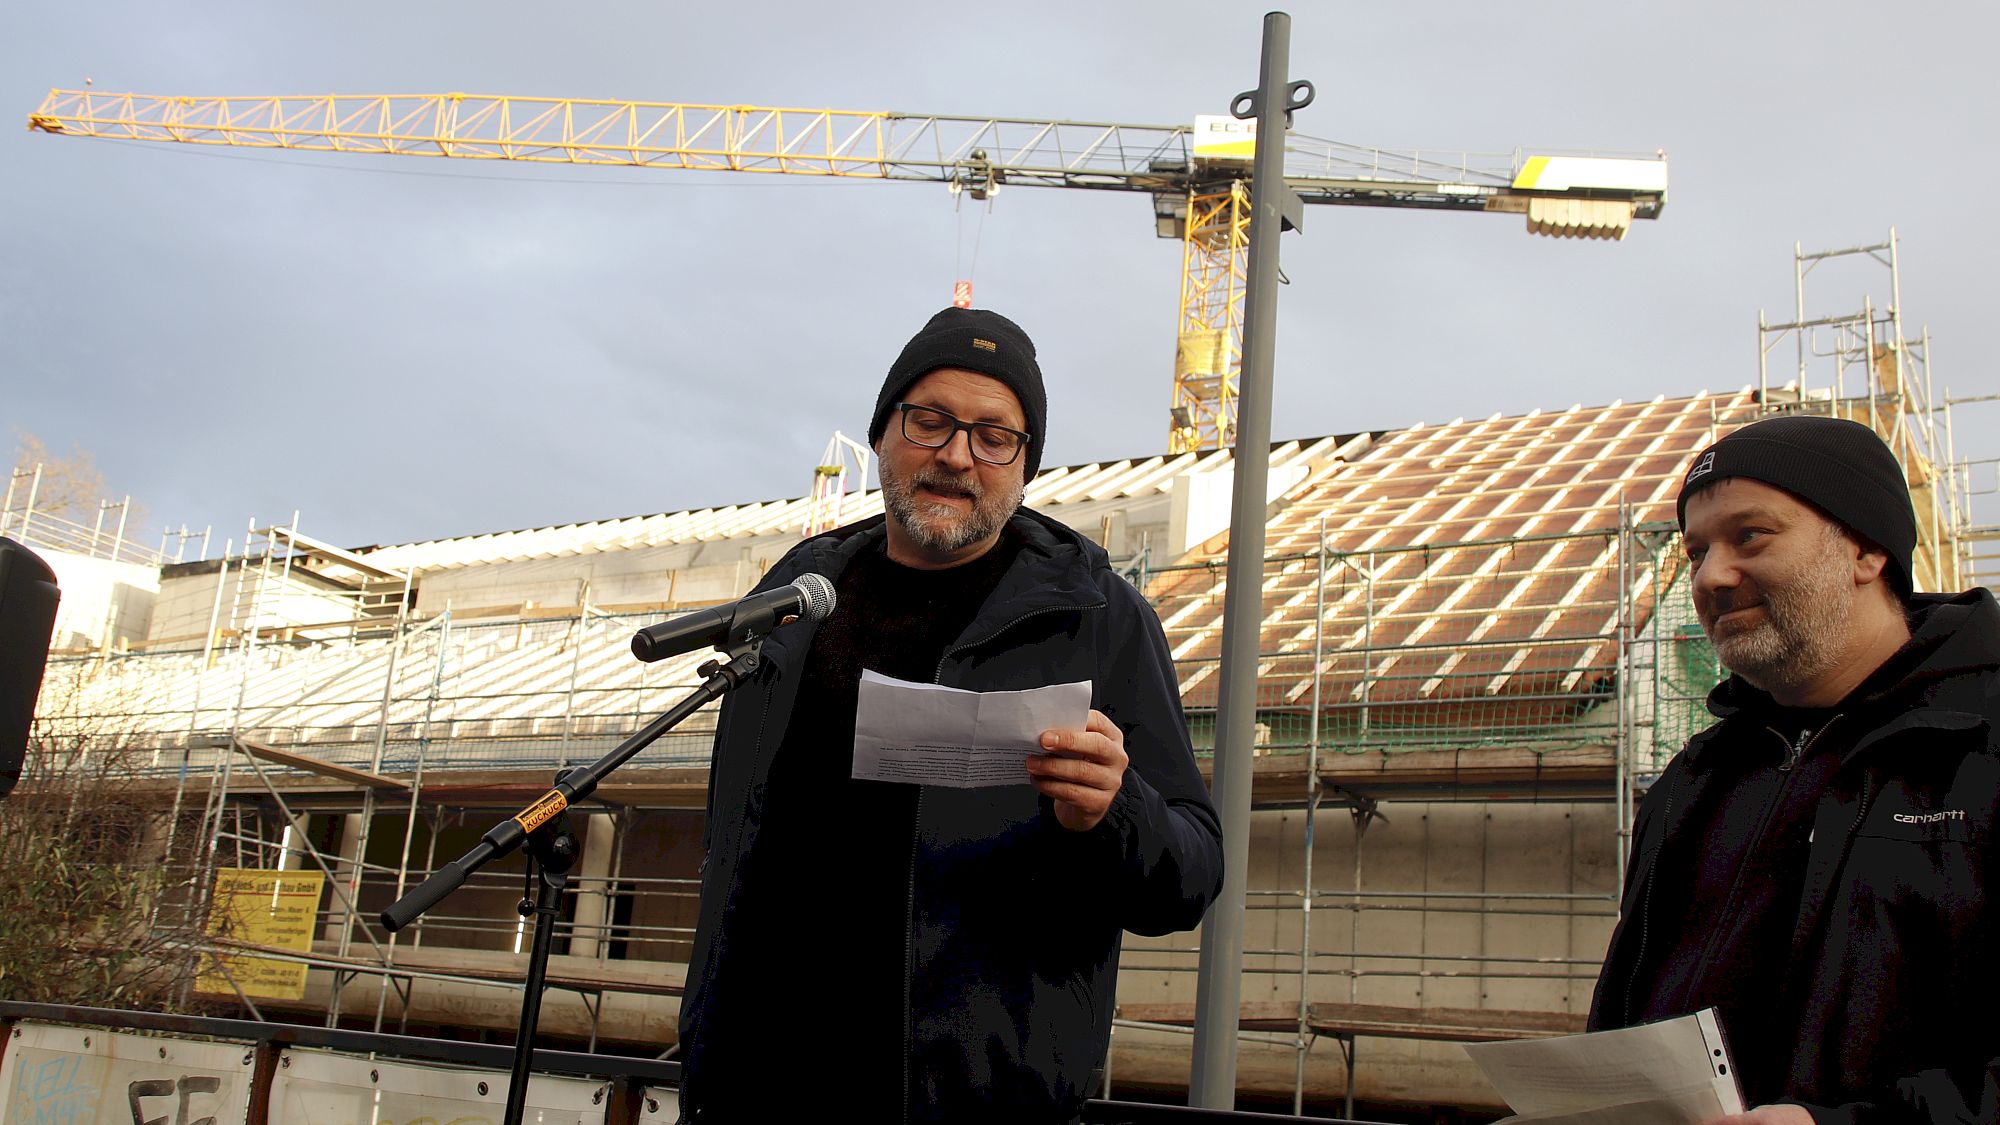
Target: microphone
x=811, y=597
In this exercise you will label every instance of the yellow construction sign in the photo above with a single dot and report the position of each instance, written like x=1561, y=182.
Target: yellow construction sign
x=274, y=908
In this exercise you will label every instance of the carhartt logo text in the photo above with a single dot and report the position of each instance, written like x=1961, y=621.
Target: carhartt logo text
x=1930, y=817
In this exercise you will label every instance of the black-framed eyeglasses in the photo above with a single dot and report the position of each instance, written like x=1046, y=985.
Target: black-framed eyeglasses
x=934, y=429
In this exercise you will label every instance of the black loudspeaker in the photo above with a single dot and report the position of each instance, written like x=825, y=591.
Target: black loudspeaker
x=28, y=598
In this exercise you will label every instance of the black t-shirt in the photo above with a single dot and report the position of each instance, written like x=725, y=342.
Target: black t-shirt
x=818, y=939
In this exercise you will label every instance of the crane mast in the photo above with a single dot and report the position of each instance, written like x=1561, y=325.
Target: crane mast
x=1197, y=175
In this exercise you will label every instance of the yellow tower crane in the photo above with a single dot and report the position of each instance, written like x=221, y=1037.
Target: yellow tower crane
x=1197, y=175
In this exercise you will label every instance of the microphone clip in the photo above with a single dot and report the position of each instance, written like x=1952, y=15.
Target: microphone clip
x=737, y=662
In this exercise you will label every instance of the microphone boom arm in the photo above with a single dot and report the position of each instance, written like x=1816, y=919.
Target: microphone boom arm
x=719, y=677
x=542, y=828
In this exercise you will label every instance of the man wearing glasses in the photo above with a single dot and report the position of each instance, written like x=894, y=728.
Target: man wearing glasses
x=923, y=953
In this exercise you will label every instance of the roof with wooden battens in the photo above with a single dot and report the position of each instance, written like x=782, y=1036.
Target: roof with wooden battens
x=1473, y=570
x=1466, y=630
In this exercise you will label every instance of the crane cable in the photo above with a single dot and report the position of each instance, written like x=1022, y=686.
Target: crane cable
x=960, y=269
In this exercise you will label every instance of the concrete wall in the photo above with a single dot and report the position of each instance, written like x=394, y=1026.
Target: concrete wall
x=104, y=603
x=697, y=573
x=684, y=573
x=1463, y=907
x=187, y=601
x=1393, y=946
x=1201, y=499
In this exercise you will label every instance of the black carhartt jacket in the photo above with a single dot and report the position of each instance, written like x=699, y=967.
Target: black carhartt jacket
x=1014, y=921
x=1893, y=986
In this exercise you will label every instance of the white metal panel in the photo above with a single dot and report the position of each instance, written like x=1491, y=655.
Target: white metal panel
x=83, y=1076
x=324, y=1088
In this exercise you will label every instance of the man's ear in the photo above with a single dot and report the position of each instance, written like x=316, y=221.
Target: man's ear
x=1870, y=563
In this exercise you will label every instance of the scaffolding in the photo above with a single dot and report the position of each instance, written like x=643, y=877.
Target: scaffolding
x=359, y=744
x=1532, y=669
x=1477, y=632
x=317, y=710
x=51, y=527
x=1861, y=364
x=1556, y=668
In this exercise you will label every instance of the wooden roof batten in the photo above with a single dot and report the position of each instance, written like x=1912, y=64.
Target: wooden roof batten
x=1533, y=573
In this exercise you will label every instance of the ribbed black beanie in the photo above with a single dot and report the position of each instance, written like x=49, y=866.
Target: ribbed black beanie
x=1842, y=468
x=977, y=340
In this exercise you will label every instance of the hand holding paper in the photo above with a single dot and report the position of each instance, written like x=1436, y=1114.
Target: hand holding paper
x=1082, y=771
x=929, y=734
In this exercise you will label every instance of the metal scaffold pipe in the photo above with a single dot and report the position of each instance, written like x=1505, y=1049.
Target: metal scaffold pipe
x=1212, y=1083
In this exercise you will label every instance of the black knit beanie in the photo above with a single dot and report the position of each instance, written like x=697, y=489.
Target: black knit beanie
x=1842, y=468
x=977, y=340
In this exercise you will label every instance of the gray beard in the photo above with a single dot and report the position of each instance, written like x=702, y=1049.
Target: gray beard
x=1800, y=639
x=938, y=527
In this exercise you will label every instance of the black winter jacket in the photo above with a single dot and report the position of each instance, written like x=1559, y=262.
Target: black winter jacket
x=1893, y=985
x=1014, y=921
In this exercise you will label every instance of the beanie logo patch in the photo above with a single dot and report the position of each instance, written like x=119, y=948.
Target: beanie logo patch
x=1702, y=467
x=985, y=345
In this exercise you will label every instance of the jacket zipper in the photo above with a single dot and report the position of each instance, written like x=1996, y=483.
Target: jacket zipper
x=916, y=838
x=937, y=677
x=1796, y=749
x=1868, y=787
x=1871, y=781
x=1793, y=753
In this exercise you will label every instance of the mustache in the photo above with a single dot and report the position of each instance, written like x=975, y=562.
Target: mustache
x=939, y=479
x=1734, y=598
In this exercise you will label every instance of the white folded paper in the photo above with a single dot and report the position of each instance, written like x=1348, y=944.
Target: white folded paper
x=929, y=734
x=1675, y=1072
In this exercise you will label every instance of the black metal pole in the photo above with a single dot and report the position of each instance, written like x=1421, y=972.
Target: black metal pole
x=544, y=828
x=551, y=851
x=1219, y=981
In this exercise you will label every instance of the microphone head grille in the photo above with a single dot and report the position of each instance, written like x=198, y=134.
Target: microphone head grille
x=816, y=596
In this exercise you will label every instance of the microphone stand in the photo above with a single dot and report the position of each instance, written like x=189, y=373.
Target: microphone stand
x=543, y=828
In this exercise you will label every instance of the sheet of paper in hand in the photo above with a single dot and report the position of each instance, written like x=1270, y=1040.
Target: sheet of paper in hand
x=1675, y=1072
x=929, y=734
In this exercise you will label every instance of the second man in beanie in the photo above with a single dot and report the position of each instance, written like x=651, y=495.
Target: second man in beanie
x=960, y=944
x=1816, y=865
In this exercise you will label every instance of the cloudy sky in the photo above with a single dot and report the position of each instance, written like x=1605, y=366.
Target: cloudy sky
x=401, y=349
